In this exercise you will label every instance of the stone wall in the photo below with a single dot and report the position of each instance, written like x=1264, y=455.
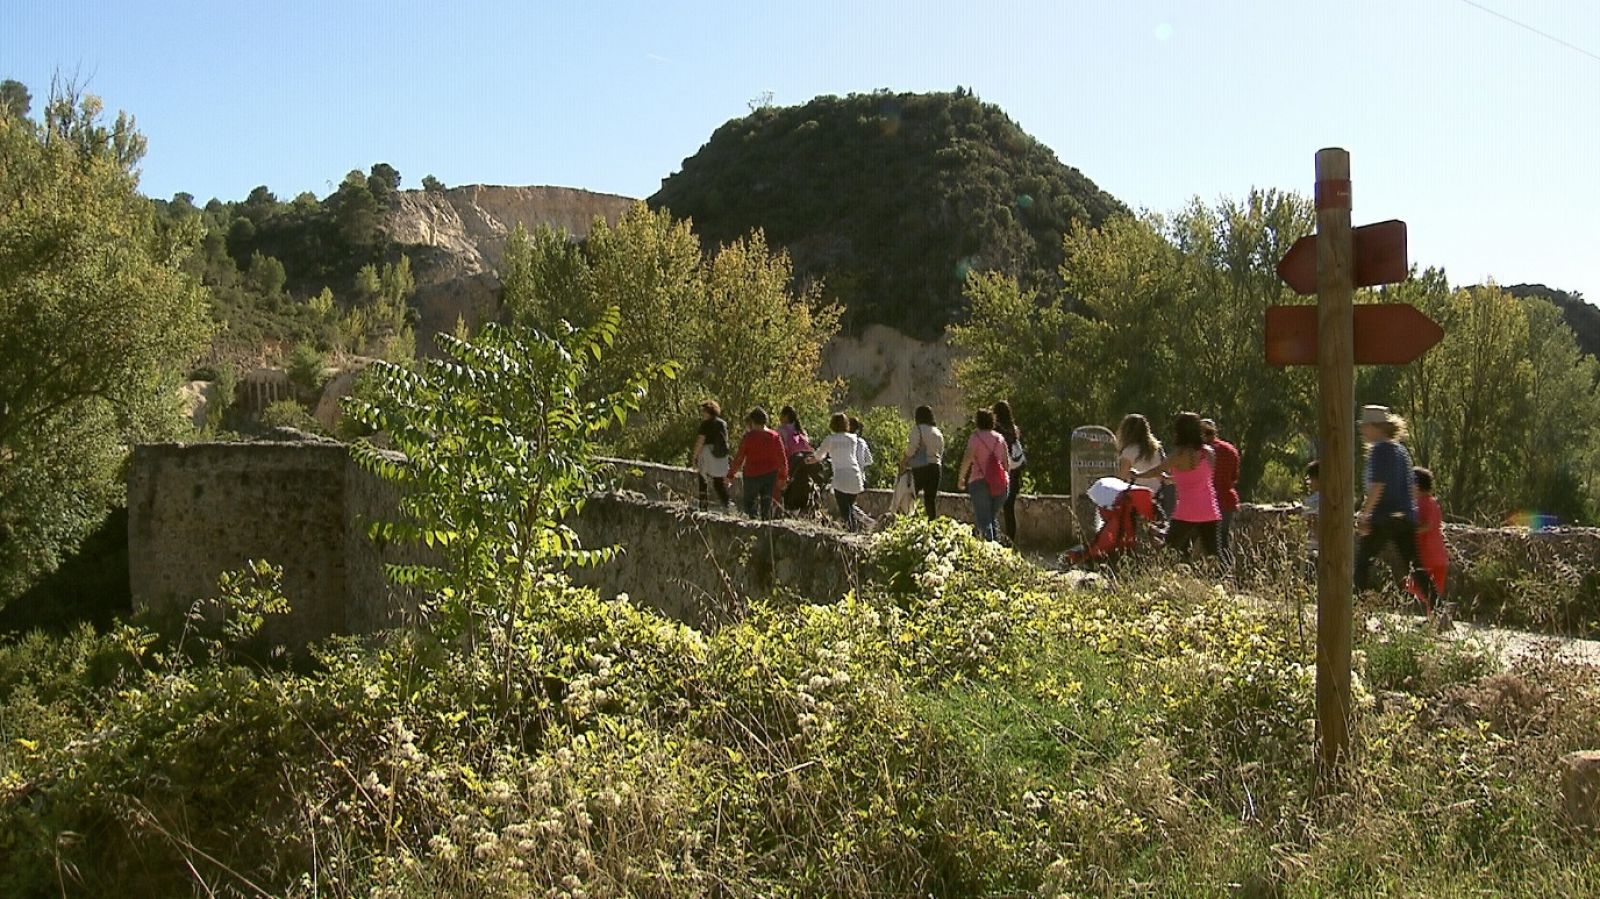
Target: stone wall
x=198, y=510
x=195, y=511
x=702, y=568
x=1044, y=523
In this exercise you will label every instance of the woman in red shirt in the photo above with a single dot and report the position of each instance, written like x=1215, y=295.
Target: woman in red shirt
x=765, y=466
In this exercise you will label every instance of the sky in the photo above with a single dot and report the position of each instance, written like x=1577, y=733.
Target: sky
x=1479, y=132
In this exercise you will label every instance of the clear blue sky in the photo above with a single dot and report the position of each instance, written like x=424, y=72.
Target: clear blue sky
x=1482, y=135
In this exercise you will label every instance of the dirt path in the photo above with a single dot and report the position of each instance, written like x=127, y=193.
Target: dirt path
x=1516, y=645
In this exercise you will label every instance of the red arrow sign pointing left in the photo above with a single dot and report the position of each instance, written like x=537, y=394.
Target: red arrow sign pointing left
x=1379, y=250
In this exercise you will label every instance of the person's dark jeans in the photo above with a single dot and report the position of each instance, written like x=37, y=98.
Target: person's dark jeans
x=1167, y=500
x=926, y=480
x=1401, y=532
x=721, y=486
x=984, y=508
x=1010, y=507
x=847, y=508
x=1180, y=534
x=1225, y=536
x=758, y=494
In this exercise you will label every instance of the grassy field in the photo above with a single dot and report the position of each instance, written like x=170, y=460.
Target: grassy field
x=964, y=726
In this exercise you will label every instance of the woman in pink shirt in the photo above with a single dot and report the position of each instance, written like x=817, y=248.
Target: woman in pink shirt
x=1192, y=465
x=984, y=476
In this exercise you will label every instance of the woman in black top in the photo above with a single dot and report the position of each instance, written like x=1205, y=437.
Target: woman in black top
x=1017, y=460
x=710, y=454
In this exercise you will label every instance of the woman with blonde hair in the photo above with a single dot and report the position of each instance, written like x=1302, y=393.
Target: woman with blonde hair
x=1138, y=450
x=1389, y=509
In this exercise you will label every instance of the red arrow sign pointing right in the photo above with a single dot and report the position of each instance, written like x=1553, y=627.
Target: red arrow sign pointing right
x=1385, y=334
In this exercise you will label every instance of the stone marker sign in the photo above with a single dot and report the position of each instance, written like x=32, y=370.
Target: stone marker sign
x=1094, y=456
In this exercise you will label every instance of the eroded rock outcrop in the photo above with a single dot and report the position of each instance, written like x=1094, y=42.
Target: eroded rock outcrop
x=456, y=239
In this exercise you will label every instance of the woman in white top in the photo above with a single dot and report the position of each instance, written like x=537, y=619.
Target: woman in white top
x=924, y=457
x=1140, y=451
x=710, y=454
x=844, y=452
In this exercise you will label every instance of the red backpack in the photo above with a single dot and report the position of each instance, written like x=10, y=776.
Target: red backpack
x=994, y=467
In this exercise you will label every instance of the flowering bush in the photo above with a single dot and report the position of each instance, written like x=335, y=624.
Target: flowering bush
x=965, y=724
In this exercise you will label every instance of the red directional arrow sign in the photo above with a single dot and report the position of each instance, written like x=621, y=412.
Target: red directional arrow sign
x=1379, y=250
x=1385, y=334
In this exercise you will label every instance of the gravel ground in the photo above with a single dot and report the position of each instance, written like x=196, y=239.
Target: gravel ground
x=1516, y=645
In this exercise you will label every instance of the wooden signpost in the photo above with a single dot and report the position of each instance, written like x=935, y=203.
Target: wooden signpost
x=1342, y=336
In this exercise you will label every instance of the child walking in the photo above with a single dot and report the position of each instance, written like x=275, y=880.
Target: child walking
x=1432, y=556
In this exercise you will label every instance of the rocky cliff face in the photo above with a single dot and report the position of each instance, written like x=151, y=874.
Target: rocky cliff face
x=456, y=239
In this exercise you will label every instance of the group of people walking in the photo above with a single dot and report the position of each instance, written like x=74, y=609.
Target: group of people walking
x=1196, y=484
x=776, y=462
x=1398, y=510
x=1194, y=478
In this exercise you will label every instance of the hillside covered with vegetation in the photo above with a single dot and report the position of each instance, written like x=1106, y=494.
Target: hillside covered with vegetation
x=280, y=274
x=1582, y=316
x=890, y=199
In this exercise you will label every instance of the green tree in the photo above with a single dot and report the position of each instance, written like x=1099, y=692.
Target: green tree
x=498, y=449
x=759, y=341
x=432, y=184
x=306, y=367
x=740, y=332
x=15, y=101
x=96, y=321
x=546, y=279
x=356, y=213
x=1478, y=421
x=383, y=181
x=1166, y=313
x=1559, y=471
x=266, y=277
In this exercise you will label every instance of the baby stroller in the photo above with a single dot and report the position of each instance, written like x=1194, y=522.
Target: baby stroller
x=806, y=480
x=1120, y=506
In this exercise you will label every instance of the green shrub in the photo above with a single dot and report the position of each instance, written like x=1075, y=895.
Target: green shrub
x=289, y=414
x=306, y=366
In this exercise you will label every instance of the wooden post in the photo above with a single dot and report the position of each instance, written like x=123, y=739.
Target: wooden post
x=1336, y=428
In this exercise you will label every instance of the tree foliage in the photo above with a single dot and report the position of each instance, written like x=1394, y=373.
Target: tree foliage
x=498, y=445
x=96, y=320
x=890, y=198
x=1582, y=316
x=742, y=335
x=276, y=270
x=1504, y=409
x=15, y=100
x=1156, y=314
x=1163, y=313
